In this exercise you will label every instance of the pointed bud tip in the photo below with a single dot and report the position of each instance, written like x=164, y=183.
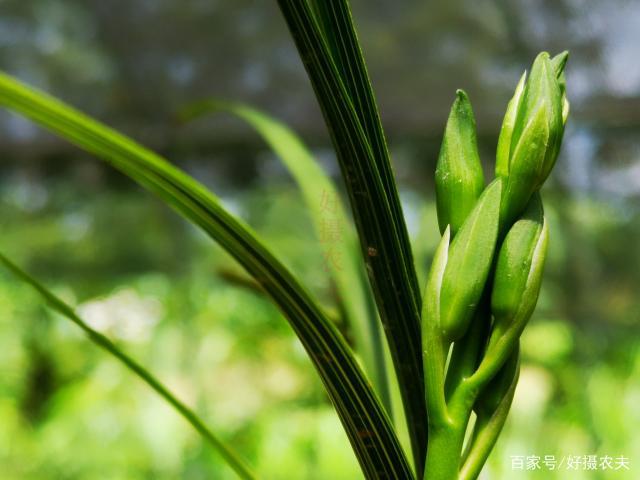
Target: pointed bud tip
x=523, y=79
x=462, y=101
x=542, y=56
x=459, y=177
x=462, y=95
x=542, y=67
x=559, y=62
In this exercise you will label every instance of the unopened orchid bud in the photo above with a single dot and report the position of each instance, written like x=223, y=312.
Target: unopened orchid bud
x=469, y=262
x=431, y=299
x=459, y=178
x=532, y=134
x=558, y=62
x=519, y=270
x=506, y=132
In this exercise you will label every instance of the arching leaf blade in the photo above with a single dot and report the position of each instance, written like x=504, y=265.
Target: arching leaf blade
x=365, y=422
x=332, y=229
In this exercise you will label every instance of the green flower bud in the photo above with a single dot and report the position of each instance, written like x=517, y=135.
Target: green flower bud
x=524, y=175
x=433, y=353
x=518, y=272
x=558, y=62
x=469, y=262
x=532, y=141
x=459, y=176
x=542, y=90
x=431, y=298
x=504, y=140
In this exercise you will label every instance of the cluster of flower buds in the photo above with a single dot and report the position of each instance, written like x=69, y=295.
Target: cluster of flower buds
x=486, y=275
x=496, y=236
x=531, y=133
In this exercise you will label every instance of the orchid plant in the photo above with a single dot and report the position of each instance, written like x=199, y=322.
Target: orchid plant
x=424, y=362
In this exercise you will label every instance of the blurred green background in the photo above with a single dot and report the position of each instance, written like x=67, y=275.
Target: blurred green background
x=169, y=296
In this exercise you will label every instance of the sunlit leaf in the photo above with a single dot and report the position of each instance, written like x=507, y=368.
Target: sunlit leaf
x=364, y=419
x=333, y=231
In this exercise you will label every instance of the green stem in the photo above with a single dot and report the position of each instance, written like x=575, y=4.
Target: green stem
x=443, y=452
x=486, y=433
x=232, y=459
x=434, y=380
x=497, y=354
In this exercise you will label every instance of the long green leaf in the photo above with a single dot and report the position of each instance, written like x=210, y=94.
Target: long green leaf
x=331, y=226
x=227, y=453
x=339, y=31
x=367, y=426
x=382, y=242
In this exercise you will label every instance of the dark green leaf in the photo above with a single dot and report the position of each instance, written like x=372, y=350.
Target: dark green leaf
x=345, y=101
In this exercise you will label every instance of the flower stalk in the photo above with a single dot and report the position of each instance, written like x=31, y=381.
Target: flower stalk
x=487, y=271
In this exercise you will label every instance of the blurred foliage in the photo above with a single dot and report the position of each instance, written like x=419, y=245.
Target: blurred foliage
x=161, y=289
x=69, y=411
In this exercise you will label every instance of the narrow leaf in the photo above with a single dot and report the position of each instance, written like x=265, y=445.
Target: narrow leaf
x=375, y=209
x=332, y=229
x=364, y=420
x=339, y=31
x=227, y=453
